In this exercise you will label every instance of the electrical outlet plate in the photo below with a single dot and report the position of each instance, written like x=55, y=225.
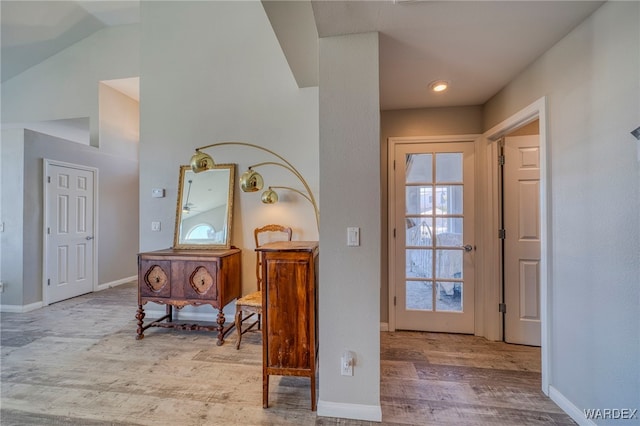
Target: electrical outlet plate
x=346, y=364
x=155, y=226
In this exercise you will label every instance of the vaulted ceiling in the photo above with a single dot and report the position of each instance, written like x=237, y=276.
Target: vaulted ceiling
x=478, y=46
x=32, y=31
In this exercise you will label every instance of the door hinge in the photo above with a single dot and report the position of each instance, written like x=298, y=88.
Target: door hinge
x=502, y=234
x=394, y=301
x=394, y=232
x=48, y=230
x=501, y=160
x=394, y=164
x=48, y=281
x=502, y=307
x=48, y=179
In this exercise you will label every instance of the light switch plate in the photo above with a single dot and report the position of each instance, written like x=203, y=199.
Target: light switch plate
x=353, y=236
x=157, y=193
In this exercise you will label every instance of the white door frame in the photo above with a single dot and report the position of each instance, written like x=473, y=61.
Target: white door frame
x=491, y=278
x=391, y=148
x=45, y=241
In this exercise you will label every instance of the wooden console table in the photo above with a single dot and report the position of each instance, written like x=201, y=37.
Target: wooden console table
x=289, y=312
x=177, y=278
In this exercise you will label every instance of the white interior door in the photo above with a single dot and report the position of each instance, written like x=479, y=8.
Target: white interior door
x=69, y=227
x=521, y=222
x=434, y=190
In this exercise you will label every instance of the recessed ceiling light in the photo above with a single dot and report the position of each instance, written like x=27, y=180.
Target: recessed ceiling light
x=439, y=86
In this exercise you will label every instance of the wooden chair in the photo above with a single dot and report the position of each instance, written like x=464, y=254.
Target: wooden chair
x=251, y=304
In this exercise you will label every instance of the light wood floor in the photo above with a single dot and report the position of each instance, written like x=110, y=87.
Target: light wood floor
x=77, y=363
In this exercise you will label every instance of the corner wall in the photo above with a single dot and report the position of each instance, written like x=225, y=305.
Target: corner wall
x=350, y=183
x=591, y=81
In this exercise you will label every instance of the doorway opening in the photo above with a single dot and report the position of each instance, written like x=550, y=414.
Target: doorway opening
x=531, y=272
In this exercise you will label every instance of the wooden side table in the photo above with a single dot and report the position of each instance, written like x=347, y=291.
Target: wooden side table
x=177, y=278
x=290, y=310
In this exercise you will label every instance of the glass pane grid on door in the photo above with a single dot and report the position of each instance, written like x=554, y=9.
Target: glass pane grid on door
x=433, y=229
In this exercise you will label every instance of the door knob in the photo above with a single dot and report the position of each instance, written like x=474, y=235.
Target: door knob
x=88, y=238
x=467, y=247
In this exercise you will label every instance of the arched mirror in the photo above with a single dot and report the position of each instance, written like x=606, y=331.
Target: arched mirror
x=205, y=208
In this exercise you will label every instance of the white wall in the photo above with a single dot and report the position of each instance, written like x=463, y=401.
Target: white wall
x=65, y=85
x=592, y=83
x=211, y=72
x=3, y=134
x=350, y=184
x=73, y=129
x=119, y=130
x=62, y=87
x=11, y=241
x=117, y=224
x=119, y=123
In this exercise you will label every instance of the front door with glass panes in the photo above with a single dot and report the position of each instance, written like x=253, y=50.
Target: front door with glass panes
x=434, y=254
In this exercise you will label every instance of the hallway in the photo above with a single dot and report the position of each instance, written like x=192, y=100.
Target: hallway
x=456, y=379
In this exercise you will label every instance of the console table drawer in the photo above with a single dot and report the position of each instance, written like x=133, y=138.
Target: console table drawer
x=155, y=278
x=199, y=281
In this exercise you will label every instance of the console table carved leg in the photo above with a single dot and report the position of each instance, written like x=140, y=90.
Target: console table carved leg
x=221, y=331
x=140, y=318
x=238, y=322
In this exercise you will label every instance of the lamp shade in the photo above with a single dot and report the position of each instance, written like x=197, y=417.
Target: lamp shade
x=269, y=196
x=201, y=161
x=251, y=181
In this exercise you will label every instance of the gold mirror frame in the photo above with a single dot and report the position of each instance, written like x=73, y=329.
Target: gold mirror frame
x=204, y=210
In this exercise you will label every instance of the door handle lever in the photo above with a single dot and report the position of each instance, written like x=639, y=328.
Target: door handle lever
x=88, y=238
x=467, y=247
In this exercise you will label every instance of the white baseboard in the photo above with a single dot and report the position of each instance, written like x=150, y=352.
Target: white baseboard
x=568, y=407
x=20, y=309
x=372, y=413
x=116, y=283
x=384, y=326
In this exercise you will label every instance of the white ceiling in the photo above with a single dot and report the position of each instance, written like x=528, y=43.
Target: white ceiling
x=477, y=45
